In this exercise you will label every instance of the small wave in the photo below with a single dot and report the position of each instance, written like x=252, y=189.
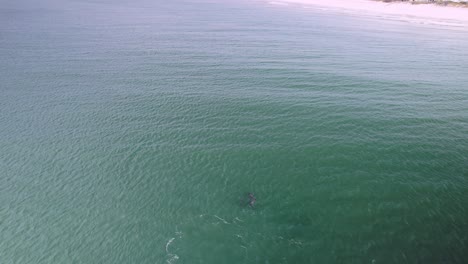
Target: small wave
x=277, y=3
x=173, y=258
x=237, y=219
x=224, y=221
x=295, y=243
x=168, y=243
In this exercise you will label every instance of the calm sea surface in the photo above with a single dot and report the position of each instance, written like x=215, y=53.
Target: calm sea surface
x=131, y=132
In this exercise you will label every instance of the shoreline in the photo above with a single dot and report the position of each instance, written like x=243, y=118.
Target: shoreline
x=431, y=13
x=447, y=3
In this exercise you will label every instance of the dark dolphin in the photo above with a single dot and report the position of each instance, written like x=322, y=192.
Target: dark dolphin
x=252, y=200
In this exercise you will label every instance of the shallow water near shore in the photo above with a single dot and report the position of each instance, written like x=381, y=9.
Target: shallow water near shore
x=132, y=131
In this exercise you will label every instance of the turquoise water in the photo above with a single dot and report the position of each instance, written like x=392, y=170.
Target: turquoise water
x=131, y=132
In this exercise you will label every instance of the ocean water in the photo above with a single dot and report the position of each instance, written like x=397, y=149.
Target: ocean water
x=131, y=132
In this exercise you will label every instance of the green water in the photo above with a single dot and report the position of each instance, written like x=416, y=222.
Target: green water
x=131, y=131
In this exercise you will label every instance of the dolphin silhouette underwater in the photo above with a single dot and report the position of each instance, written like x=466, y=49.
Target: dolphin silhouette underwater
x=252, y=200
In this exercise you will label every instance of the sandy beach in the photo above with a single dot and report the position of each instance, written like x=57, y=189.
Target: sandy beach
x=429, y=13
